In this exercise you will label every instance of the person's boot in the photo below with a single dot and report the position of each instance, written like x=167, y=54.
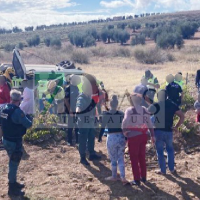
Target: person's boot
x=14, y=191
x=84, y=161
x=94, y=157
x=19, y=185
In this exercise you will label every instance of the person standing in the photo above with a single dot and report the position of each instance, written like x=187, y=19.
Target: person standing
x=85, y=111
x=135, y=126
x=116, y=142
x=152, y=84
x=174, y=90
x=71, y=95
x=163, y=113
x=143, y=90
x=14, y=125
x=27, y=104
x=179, y=79
x=4, y=99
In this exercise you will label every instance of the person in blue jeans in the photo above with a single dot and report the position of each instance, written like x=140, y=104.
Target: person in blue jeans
x=14, y=125
x=116, y=142
x=85, y=112
x=163, y=115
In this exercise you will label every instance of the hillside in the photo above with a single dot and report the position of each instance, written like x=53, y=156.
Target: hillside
x=62, y=32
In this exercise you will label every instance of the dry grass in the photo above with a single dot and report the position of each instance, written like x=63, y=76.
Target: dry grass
x=118, y=73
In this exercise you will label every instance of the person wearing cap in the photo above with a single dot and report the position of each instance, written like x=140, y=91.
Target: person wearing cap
x=163, y=113
x=14, y=125
x=4, y=99
x=179, y=79
x=135, y=126
x=152, y=84
x=57, y=95
x=71, y=95
x=85, y=112
x=174, y=90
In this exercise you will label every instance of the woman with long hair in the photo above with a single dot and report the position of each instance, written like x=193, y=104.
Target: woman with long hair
x=135, y=127
x=116, y=142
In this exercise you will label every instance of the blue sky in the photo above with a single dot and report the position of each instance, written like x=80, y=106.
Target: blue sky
x=28, y=12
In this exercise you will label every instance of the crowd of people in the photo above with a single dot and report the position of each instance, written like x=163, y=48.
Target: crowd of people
x=144, y=119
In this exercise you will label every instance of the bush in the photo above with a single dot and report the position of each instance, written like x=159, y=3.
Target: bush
x=55, y=42
x=122, y=52
x=37, y=134
x=89, y=41
x=151, y=55
x=83, y=39
x=47, y=41
x=169, y=40
x=121, y=25
x=34, y=41
x=138, y=39
x=187, y=29
x=107, y=35
x=9, y=47
x=121, y=36
x=79, y=56
x=99, y=51
x=134, y=26
x=21, y=46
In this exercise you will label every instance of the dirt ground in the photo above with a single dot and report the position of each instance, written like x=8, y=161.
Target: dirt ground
x=54, y=172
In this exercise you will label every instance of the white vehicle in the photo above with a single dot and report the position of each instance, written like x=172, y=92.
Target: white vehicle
x=22, y=71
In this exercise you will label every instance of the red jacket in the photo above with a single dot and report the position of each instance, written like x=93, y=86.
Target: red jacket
x=4, y=94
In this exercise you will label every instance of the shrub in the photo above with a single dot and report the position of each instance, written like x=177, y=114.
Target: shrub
x=138, y=39
x=107, y=35
x=121, y=36
x=187, y=29
x=122, y=52
x=150, y=55
x=89, y=41
x=111, y=26
x=99, y=51
x=16, y=30
x=34, y=41
x=121, y=25
x=47, y=41
x=21, y=46
x=169, y=40
x=9, y=47
x=135, y=26
x=37, y=134
x=55, y=42
x=79, y=56
x=83, y=39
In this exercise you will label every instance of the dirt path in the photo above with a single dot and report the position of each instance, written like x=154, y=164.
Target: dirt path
x=55, y=173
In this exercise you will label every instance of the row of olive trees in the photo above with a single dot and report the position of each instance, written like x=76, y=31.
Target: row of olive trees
x=173, y=34
x=33, y=42
x=88, y=37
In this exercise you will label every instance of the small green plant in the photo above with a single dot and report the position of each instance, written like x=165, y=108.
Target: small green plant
x=44, y=128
